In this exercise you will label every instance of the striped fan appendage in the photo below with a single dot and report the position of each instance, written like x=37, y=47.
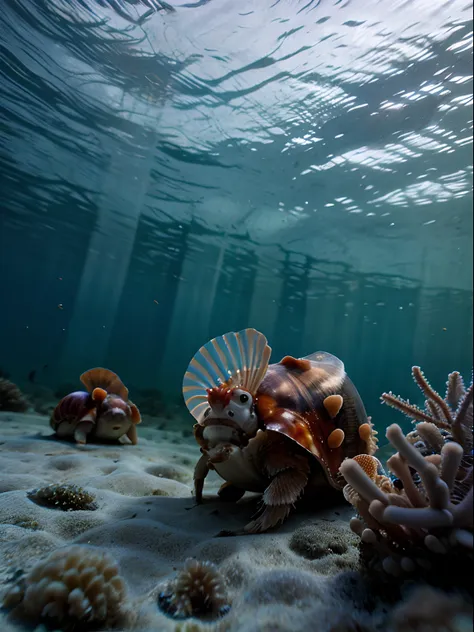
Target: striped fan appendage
x=234, y=359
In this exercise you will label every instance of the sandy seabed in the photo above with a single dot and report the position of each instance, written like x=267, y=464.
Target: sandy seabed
x=289, y=579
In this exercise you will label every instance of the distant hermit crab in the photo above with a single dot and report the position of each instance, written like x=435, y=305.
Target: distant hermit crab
x=282, y=430
x=104, y=412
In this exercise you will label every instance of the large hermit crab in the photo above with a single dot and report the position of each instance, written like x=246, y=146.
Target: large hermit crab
x=282, y=429
x=104, y=412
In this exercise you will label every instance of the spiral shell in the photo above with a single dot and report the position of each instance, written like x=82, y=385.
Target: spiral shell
x=105, y=409
x=70, y=410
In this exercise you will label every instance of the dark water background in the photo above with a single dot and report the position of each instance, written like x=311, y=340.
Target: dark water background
x=173, y=171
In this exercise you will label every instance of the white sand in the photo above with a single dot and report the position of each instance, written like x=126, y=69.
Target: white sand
x=146, y=518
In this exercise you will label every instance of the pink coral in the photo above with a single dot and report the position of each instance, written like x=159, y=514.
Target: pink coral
x=424, y=516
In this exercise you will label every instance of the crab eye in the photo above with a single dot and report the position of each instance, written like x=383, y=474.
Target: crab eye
x=230, y=413
x=244, y=398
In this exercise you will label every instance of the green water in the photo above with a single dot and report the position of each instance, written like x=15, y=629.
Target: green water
x=167, y=176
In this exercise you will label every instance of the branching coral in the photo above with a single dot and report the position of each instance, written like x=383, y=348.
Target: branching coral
x=11, y=398
x=423, y=516
x=65, y=497
x=77, y=584
x=452, y=413
x=198, y=590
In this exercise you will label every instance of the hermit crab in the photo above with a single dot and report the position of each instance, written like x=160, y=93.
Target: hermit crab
x=281, y=429
x=104, y=412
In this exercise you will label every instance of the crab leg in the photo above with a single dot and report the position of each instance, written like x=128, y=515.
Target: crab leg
x=289, y=475
x=132, y=434
x=82, y=430
x=200, y=472
x=278, y=499
x=84, y=427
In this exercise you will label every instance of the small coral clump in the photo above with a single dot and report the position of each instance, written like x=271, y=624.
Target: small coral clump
x=11, y=398
x=76, y=584
x=64, y=497
x=312, y=542
x=198, y=591
x=429, y=610
x=422, y=517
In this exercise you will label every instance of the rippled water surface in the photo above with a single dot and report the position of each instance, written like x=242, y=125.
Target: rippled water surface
x=172, y=171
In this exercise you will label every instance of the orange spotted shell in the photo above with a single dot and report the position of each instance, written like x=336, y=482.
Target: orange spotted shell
x=313, y=402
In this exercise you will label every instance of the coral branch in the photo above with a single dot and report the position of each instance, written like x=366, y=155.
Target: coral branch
x=430, y=435
x=431, y=394
x=424, y=518
x=463, y=417
x=436, y=489
x=433, y=409
x=410, y=410
x=400, y=469
x=396, y=437
x=455, y=389
x=451, y=456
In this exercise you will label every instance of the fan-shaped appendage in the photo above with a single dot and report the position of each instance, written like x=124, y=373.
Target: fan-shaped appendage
x=234, y=359
x=106, y=379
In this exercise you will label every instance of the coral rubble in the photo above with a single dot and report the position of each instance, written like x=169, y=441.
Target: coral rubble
x=65, y=497
x=11, y=397
x=421, y=518
x=74, y=585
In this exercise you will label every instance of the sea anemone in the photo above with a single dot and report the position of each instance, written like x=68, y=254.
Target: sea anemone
x=197, y=591
x=72, y=585
x=11, y=398
x=420, y=518
x=64, y=497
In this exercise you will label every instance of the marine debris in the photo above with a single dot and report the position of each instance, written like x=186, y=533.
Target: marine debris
x=77, y=584
x=65, y=497
x=197, y=591
x=11, y=397
x=420, y=518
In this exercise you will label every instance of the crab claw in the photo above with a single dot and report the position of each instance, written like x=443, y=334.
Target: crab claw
x=220, y=453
